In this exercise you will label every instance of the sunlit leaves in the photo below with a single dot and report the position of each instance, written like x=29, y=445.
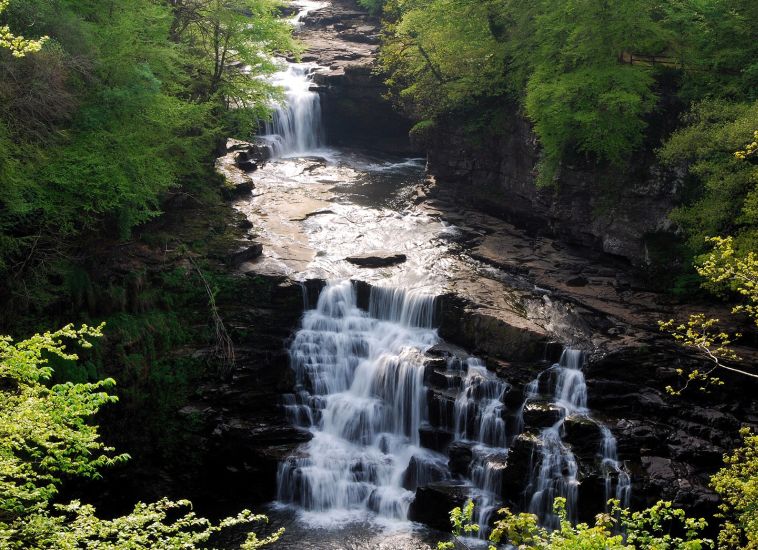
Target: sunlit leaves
x=661, y=526
x=737, y=483
x=18, y=45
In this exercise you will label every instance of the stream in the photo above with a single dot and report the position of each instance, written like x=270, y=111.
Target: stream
x=383, y=396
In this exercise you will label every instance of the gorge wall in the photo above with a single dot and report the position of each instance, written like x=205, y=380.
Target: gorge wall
x=622, y=214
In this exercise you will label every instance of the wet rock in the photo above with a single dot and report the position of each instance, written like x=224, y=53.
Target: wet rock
x=246, y=165
x=434, y=374
x=579, y=280
x=246, y=254
x=503, y=334
x=236, y=190
x=422, y=472
x=256, y=150
x=591, y=497
x=441, y=408
x=377, y=259
x=658, y=469
x=435, y=439
x=696, y=451
x=515, y=476
x=541, y=414
x=433, y=503
x=461, y=455
x=583, y=435
x=446, y=350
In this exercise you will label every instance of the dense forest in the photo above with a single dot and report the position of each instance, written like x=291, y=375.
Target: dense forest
x=123, y=105
x=595, y=79
x=111, y=113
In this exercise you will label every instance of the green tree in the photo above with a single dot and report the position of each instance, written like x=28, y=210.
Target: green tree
x=737, y=484
x=725, y=271
x=721, y=194
x=47, y=435
x=125, y=104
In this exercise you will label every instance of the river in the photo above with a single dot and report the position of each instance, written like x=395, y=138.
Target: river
x=383, y=396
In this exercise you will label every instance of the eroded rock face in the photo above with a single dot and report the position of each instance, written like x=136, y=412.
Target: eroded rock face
x=498, y=176
x=433, y=503
x=241, y=431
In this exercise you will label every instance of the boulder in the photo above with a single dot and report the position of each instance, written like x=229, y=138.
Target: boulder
x=376, y=259
x=583, y=435
x=441, y=407
x=237, y=189
x=433, y=503
x=435, y=439
x=461, y=455
x=246, y=254
x=421, y=472
x=541, y=414
x=579, y=280
x=515, y=476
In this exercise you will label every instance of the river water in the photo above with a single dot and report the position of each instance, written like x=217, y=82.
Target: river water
x=361, y=386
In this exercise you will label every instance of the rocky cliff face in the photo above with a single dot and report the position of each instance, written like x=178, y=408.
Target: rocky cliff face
x=621, y=214
x=345, y=39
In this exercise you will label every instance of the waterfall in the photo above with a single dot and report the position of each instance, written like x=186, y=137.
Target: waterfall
x=479, y=418
x=295, y=127
x=359, y=389
x=612, y=468
x=555, y=471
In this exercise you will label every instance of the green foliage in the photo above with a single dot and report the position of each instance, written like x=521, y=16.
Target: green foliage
x=559, y=59
x=724, y=271
x=579, y=96
x=440, y=55
x=47, y=434
x=462, y=520
x=722, y=195
x=17, y=45
x=124, y=102
x=584, y=71
x=373, y=6
x=715, y=44
x=649, y=528
x=737, y=484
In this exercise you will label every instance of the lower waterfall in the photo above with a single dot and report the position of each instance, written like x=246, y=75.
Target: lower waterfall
x=361, y=390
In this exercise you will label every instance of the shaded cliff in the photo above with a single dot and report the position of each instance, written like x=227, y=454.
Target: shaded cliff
x=620, y=212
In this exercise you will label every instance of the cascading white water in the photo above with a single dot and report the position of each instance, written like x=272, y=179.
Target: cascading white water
x=556, y=471
x=613, y=471
x=360, y=391
x=295, y=127
x=479, y=418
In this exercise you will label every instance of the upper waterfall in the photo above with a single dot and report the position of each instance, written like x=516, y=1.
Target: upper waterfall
x=295, y=128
